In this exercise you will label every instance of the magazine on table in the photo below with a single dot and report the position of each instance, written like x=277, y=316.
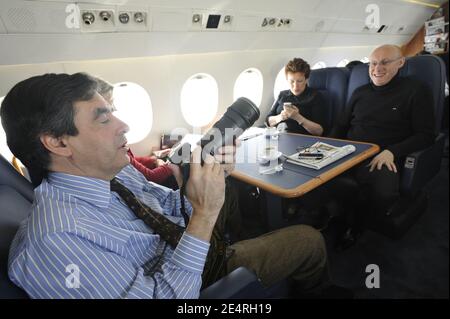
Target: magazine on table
x=320, y=155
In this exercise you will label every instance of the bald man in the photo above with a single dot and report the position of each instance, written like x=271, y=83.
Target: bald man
x=395, y=113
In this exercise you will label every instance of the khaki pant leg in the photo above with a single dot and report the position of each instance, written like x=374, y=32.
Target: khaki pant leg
x=297, y=252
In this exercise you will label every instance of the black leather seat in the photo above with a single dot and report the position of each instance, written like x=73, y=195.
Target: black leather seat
x=419, y=167
x=16, y=196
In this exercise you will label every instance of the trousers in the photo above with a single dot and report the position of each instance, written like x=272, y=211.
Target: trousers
x=363, y=194
x=296, y=253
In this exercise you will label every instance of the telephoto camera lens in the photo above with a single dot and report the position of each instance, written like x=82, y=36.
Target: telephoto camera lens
x=239, y=116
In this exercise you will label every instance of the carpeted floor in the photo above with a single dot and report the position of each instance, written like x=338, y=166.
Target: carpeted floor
x=415, y=266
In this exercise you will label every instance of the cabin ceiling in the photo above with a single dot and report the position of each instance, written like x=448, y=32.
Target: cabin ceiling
x=47, y=29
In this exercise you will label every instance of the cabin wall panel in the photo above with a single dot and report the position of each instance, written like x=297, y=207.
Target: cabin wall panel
x=2, y=26
x=12, y=74
x=164, y=76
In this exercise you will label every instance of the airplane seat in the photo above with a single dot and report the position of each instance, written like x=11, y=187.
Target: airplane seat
x=421, y=166
x=14, y=208
x=16, y=196
x=250, y=287
x=12, y=178
x=332, y=83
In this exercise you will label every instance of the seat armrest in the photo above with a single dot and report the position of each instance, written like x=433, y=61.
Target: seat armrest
x=240, y=283
x=420, y=167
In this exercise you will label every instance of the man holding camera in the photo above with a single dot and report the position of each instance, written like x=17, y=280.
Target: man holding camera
x=92, y=210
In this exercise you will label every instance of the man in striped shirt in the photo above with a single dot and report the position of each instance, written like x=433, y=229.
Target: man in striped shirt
x=82, y=241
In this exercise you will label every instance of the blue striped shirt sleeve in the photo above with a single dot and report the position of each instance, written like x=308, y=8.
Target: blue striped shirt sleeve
x=63, y=265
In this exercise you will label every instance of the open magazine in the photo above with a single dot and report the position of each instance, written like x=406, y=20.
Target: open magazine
x=329, y=155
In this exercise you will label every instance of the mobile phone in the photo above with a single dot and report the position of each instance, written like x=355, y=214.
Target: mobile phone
x=288, y=105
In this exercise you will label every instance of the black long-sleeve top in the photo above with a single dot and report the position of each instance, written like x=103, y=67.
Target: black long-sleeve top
x=310, y=104
x=398, y=116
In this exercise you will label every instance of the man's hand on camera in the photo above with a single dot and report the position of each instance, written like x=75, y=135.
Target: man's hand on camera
x=226, y=156
x=205, y=190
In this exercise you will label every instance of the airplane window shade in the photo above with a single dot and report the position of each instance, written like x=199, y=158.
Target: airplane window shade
x=134, y=107
x=199, y=100
x=249, y=84
x=319, y=65
x=280, y=83
x=343, y=63
x=4, y=149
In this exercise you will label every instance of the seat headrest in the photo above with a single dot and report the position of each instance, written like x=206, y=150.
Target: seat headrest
x=11, y=178
x=332, y=83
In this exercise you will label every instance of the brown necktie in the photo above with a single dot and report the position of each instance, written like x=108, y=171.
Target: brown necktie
x=165, y=228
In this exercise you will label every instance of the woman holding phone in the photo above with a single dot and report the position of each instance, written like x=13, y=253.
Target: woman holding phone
x=301, y=108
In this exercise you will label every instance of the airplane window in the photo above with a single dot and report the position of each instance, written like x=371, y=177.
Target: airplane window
x=4, y=149
x=343, y=63
x=280, y=83
x=199, y=99
x=249, y=84
x=319, y=65
x=365, y=60
x=134, y=107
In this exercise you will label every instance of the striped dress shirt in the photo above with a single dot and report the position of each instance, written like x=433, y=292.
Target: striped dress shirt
x=82, y=241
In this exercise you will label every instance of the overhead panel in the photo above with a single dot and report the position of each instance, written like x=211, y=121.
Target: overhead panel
x=166, y=20
x=211, y=20
x=133, y=18
x=35, y=17
x=330, y=8
x=2, y=27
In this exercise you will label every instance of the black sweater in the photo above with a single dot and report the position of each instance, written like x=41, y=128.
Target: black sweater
x=311, y=105
x=398, y=116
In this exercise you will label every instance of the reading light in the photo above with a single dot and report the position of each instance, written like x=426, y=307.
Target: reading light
x=196, y=18
x=264, y=23
x=88, y=18
x=124, y=18
x=227, y=19
x=105, y=15
x=272, y=21
x=139, y=17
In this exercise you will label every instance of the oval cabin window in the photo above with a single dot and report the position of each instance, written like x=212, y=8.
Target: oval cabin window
x=249, y=84
x=4, y=149
x=280, y=83
x=319, y=65
x=342, y=63
x=199, y=99
x=134, y=107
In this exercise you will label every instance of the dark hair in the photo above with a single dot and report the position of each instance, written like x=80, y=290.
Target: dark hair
x=103, y=87
x=350, y=65
x=298, y=65
x=42, y=105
